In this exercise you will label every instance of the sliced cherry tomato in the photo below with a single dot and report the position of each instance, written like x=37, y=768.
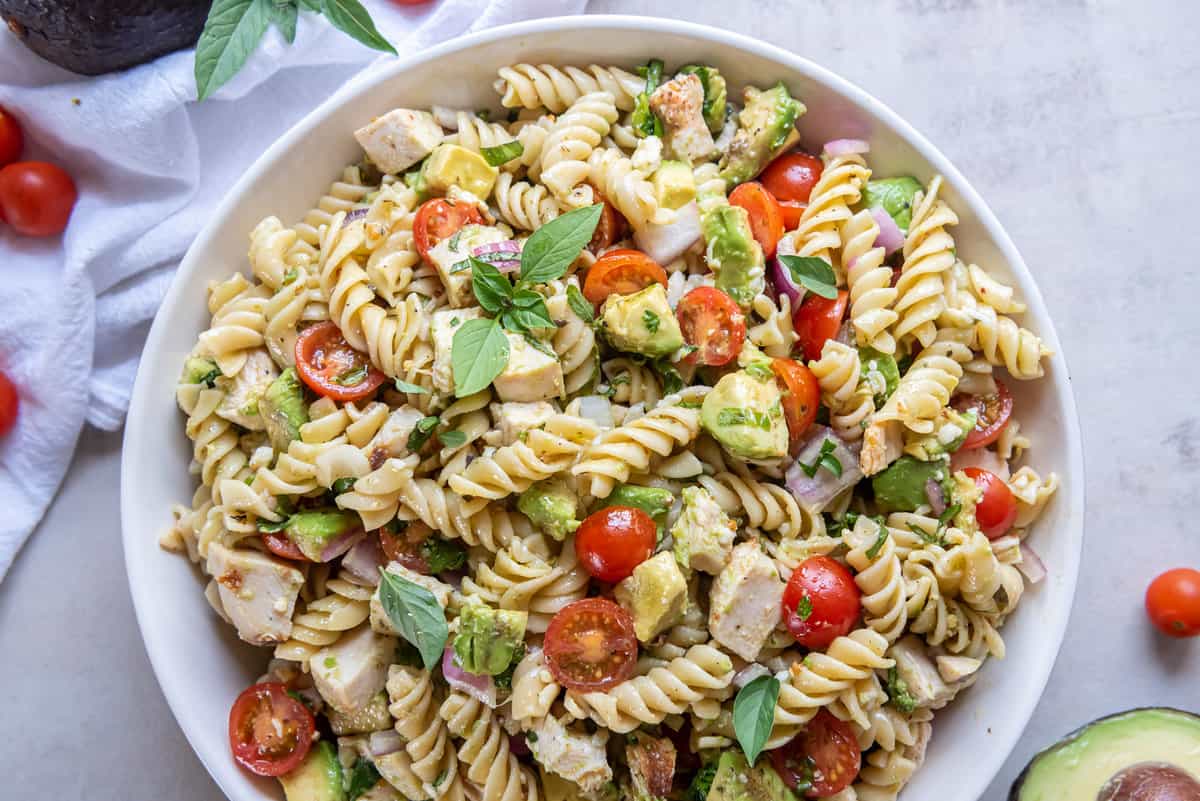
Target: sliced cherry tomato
x=613, y=541
x=590, y=645
x=766, y=218
x=330, y=367
x=36, y=198
x=11, y=138
x=440, y=218
x=9, y=403
x=792, y=211
x=993, y=413
x=820, y=761
x=404, y=545
x=712, y=321
x=817, y=320
x=997, y=509
x=611, y=228
x=281, y=545
x=270, y=732
x=1173, y=602
x=820, y=602
x=792, y=176
x=801, y=398
x=621, y=272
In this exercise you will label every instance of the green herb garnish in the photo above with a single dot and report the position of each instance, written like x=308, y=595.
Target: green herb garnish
x=812, y=273
x=825, y=458
x=502, y=154
x=416, y=614
x=754, y=714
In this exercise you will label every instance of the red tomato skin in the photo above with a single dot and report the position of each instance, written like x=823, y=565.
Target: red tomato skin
x=327, y=339
x=1173, y=602
x=245, y=751
x=36, y=198
x=830, y=749
x=712, y=321
x=766, y=217
x=835, y=600
x=791, y=177
x=997, y=509
x=988, y=429
x=817, y=320
x=12, y=139
x=801, y=399
x=281, y=545
x=438, y=219
x=792, y=211
x=617, y=643
x=10, y=402
x=610, y=228
x=613, y=541
x=621, y=272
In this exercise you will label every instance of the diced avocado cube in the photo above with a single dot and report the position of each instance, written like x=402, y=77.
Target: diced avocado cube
x=552, y=507
x=901, y=487
x=313, y=530
x=654, y=501
x=745, y=414
x=283, y=409
x=453, y=165
x=198, y=370
x=655, y=594
x=372, y=717
x=732, y=252
x=737, y=781
x=317, y=778
x=487, y=638
x=766, y=127
x=674, y=184
x=893, y=195
x=642, y=322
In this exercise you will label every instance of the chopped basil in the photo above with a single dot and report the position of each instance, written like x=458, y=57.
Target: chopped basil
x=650, y=320
x=421, y=433
x=343, y=485
x=453, y=439
x=416, y=614
x=455, y=238
x=873, y=551
x=363, y=776
x=442, y=555
x=732, y=416
x=267, y=527
x=824, y=459
x=352, y=377
x=761, y=371
x=579, y=304
x=804, y=608
x=404, y=386
x=502, y=154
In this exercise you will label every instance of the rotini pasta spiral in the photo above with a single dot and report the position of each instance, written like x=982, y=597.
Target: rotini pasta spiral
x=414, y=706
x=513, y=468
x=575, y=135
x=626, y=188
x=838, y=371
x=839, y=188
x=344, y=605
x=928, y=253
x=870, y=284
x=575, y=340
x=628, y=448
x=524, y=205
x=485, y=752
x=880, y=577
x=532, y=87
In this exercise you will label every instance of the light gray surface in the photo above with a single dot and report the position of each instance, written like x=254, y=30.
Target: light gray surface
x=1076, y=121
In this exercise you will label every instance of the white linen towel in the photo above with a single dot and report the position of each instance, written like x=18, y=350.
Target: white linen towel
x=150, y=165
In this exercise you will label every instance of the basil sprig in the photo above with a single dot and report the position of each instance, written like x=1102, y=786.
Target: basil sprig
x=754, y=714
x=813, y=274
x=416, y=614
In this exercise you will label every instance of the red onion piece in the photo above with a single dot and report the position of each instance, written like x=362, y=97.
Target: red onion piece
x=453, y=577
x=382, y=743
x=364, y=560
x=507, y=246
x=1031, y=565
x=935, y=496
x=781, y=278
x=815, y=492
x=482, y=688
x=846, y=147
x=354, y=214
x=890, y=238
x=339, y=546
x=518, y=745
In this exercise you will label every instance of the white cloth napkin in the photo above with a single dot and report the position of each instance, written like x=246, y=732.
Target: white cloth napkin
x=150, y=165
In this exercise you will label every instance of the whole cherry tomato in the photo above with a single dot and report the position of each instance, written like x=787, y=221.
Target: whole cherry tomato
x=613, y=541
x=36, y=198
x=1173, y=602
x=820, y=602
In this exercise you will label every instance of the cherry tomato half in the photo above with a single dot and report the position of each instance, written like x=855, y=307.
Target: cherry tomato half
x=36, y=198
x=330, y=367
x=993, y=413
x=820, y=761
x=269, y=731
x=766, y=218
x=792, y=176
x=997, y=509
x=621, y=272
x=404, y=546
x=611, y=227
x=801, y=398
x=792, y=211
x=1173, y=602
x=281, y=545
x=613, y=541
x=9, y=403
x=820, y=602
x=818, y=319
x=712, y=321
x=590, y=645
x=11, y=138
x=440, y=218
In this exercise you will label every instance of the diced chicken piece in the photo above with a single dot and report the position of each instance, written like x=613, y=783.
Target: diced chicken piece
x=655, y=594
x=372, y=717
x=679, y=103
x=531, y=375
x=580, y=758
x=240, y=404
x=258, y=592
x=514, y=418
x=746, y=601
x=442, y=326
x=441, y=592
x=651, y=766
x=703, y=534
x=954, y=669
x=453, y=251
x=883, y=442
x=399, y=139
x=352, y=670
x=925, y=683
x=391, y=440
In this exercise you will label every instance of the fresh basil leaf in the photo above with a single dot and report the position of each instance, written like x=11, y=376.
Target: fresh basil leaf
x=538, y=344
x=550, y=249
x=311, y=5
x=421, y=433
x=404, y=386
x=453, y=439
x=231, y=33
x=754, y=713
x=416, y=614
x=813, y=274
x=502, y=154
x=523, y=321
x=479, y=353
x=825, y=458
x=349, y=17
x=672, y=381
x=363, y=776
x=284, y=14
x=527, y=299
x=580, y=305
x=492, y=287
x=442, y=555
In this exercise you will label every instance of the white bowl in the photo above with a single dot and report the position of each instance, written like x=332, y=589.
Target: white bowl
x=199, y=661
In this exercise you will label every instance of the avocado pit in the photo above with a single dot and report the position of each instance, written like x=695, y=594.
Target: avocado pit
x=1151, y=781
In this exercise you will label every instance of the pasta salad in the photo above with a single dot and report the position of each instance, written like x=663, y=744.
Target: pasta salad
x=610, y=445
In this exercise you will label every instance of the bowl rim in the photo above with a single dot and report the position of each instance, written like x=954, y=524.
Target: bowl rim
x=174, y=685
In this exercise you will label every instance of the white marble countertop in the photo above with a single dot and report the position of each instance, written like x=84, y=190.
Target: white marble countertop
x=1073, y=118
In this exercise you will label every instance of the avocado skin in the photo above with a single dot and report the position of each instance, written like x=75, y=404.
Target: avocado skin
x=92, y=37
x=1014, y=792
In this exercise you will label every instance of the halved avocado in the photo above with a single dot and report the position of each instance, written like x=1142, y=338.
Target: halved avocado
x=1148, y=754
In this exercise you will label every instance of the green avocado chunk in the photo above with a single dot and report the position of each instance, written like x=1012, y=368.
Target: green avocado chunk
x=653, y=501
x=880, y=373
x=488, y=639
x=283, y=409
x=197, y=370
x=1156, y=751
x=737, y=781
x=313, y=530
x=716, y=99
x=901, y=487
x=552, y=507
x=733, y=254
x=642, y=323
x=893, y=195
x=745, y=414
x=318, y=777
x=766, y=126
x=950, y=430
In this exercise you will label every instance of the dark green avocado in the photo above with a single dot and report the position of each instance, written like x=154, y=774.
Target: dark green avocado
x=93, y=37
x=1148, y=754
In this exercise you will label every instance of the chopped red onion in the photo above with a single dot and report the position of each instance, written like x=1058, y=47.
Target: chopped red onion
x=815, y=492
x=889, y=238
x=518, y=745
x=935, y=496
x=340, y=545
x=354, y=214
x=1031, y=565
x=481, y=688
x=846, y=147
x=781, y=278
x=453, y=577
x=507, y=246
x=364, y=560
x=382, y=743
